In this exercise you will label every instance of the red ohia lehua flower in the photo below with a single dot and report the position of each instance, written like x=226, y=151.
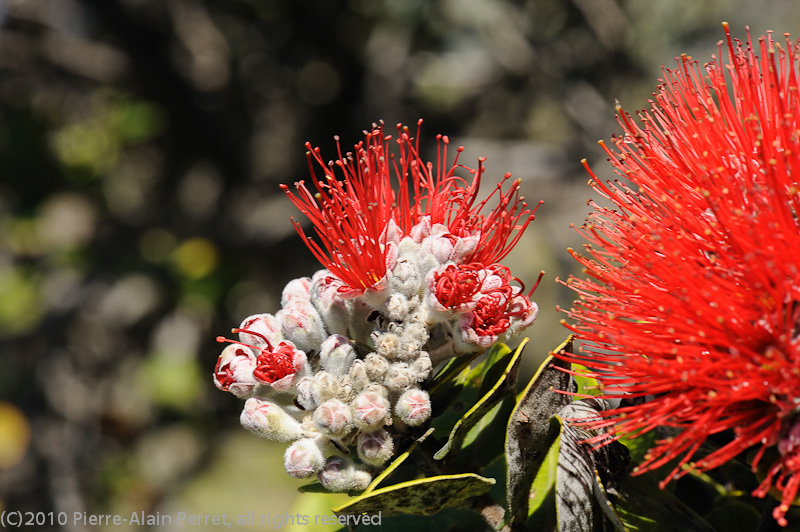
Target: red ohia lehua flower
x=381, y=196
x=694, y=295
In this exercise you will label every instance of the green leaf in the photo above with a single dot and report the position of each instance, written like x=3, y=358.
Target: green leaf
x=485, y=442
x=449, y=395
x=734, y=515
x=497, y=374
x=642, y=506
x=529, y=434
x=545, y=481
x=639, y=445
x=396, y=463
x=586, y=385
x=425, y=496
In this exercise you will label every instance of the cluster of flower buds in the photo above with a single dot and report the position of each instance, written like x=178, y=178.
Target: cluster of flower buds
x=342, y=368
x=338, y=373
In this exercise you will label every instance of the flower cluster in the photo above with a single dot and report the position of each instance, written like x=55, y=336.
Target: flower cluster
x=694, y=296
x=411, y=278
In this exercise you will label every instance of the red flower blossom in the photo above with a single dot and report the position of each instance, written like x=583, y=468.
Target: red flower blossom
x=695, y=289
x=358, y=217
x=491, y=305
x=274, y=365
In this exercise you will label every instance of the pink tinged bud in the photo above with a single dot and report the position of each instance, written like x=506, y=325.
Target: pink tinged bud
x=296, y=289
x=371, y=408
x=421, y=230
x=332, y=308
x=302, y=324
x=234, y=371
x=269, y=420
x=376, y=366
x=324, y=387
x=341, y=474
x=260, y=330
x=446, y=247
x=303, y=458
x=399, y=377
x=375, y=448
x=413, y=407
x=334, y=418
x=336, y=355
x=386, y=344
x=523, y=313
x=391, y=233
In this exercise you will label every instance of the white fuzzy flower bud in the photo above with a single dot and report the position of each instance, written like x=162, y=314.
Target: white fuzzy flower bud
x=346, y=392
x=324, y=387
x=399, y=377
x=371, y=408
x=413, y=407
x=334, y=418
x=304, y=396
x=296, y=289
x=332, y=308
x=421, y=367
x=414, y=336
x=341, y=474
x=302, y=324
x=386, y=344
x=269, y=420
x=336, y=355
x=406, y=279
x=375, y=448
x=263, y=328
x=304, y=458
x=397, y=307
x=358, y=375
x=376, y=366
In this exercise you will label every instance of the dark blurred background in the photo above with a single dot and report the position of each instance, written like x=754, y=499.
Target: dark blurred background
x=141, y=147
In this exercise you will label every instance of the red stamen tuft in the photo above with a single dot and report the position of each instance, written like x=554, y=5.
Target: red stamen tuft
x=351, y=215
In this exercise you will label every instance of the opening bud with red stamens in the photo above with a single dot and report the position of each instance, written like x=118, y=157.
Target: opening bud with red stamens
x=234, y=371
